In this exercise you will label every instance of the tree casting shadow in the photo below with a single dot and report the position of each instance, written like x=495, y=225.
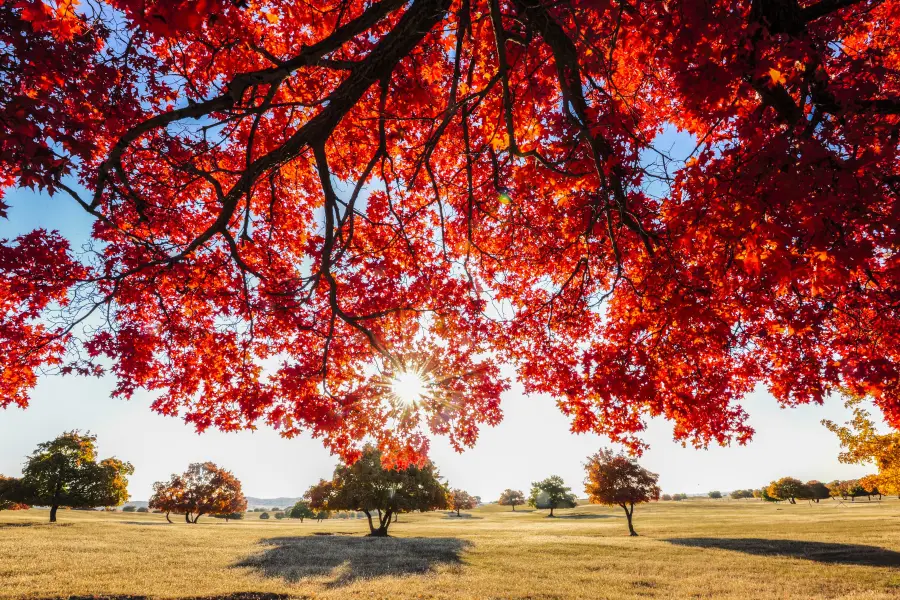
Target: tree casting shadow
x=824, y=552
x=346, y=559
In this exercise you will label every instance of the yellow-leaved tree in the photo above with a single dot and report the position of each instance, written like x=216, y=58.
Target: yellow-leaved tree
x=863, y=444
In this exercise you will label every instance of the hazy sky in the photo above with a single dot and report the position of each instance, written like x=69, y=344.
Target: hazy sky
x=532, y=442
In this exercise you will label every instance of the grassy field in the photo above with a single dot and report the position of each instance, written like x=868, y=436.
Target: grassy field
x=694, y=549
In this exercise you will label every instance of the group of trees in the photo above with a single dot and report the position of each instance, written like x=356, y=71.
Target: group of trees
x=675, y=497
x=203, y=489
x=66, y=472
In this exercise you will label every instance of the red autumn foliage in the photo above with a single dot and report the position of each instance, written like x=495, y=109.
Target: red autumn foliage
x=204, y=489
x=295, y=201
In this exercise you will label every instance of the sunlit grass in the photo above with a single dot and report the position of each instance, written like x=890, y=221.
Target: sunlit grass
x=693, y=549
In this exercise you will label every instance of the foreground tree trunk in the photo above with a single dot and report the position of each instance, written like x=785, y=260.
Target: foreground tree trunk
x=384, y=521
x=167, y=517
x=628, y=514
x=187, y=517
x=53, y=510
x=551, y=512
x=514, y=508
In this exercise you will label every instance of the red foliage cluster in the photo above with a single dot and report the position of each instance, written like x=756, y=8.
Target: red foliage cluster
x=204, y=489
x=296, y=201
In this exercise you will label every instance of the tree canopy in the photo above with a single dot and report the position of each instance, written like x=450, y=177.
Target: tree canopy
x=460, y=500
x=301, y=510
x=204, y=489
x=613, y=479
x=369, y=487
x=65, y=472
x=862, y=443
x=788, y=488
x=365, y=189
x=511, y=498
x=551, y=493
x=9, y=490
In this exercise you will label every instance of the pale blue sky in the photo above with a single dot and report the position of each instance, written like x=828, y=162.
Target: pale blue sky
x=532, y=442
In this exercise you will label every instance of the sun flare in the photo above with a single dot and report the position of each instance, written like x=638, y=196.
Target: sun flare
x=409, y=387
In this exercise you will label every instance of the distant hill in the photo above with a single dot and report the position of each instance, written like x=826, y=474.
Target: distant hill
x=271, y=502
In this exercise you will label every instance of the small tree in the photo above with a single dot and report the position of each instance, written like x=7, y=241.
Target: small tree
x=788, y=488
x=301, y=510
x=129, y=509
x=461, y=500
x=279, y=515
x=818, y=490
x=235, y=516
x=204, y=489
x=65, y=472
x=264, y=515
x=143, y=509
x=321, y=515
x=369, y=487
x=511, y=498
x=741, y=494
x=618, y=480
x=666, y=497
x=715, y=495
x=551, y=493
x=9, y=488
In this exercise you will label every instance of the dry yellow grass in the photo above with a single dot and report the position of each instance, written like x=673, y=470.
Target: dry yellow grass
x=694, y=549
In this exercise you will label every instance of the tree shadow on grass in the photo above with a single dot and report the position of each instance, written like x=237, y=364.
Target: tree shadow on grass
x=347, y=559
x=588, y=516
x=235, y=596
x=823, y=552
x=34, y=524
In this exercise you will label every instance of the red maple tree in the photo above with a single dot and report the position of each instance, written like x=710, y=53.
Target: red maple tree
x=294, y=202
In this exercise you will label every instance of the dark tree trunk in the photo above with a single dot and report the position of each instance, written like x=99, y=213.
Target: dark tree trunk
x=53, y=510
x=628, y=514
x=514, y=508
x=551, y=511
x=457, y=513
x=187, y=517
x=384, y=521
x=167, y=517
x=197, y=518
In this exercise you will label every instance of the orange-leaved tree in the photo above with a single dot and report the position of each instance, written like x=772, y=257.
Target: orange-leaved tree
x=511, y=498
x=862, y=443
x=204, y=489
x=617, y=480
x=790, y=489
x=375, y=191
x=460, y=500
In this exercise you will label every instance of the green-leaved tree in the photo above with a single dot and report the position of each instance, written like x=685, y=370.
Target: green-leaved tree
x=551, y=493
x=65, y=472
